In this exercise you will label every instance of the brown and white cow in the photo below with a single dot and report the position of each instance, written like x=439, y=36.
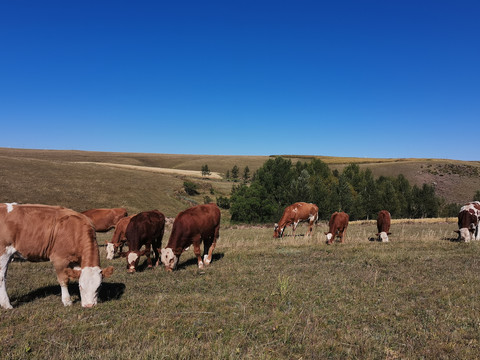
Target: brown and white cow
x=468, y=219
x=119, y=238
x=192, y=226
x=293, y=215
x=105, y=219
x=63, y=236
x=337, y=226
x=383, y=225
x=144, y=229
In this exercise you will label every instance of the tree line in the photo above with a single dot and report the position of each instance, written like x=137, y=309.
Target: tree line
x=279, y=183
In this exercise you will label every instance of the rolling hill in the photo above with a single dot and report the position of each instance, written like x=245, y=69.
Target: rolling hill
x=87, y=179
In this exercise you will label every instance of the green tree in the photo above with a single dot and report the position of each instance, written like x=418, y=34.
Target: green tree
x=246, y=174
x=424, y=202
x=369, y=194
x=252, y=204
x=345, y=196
x=387, y=195
x=276, y=176
x=235, y=171
x=205, y=170
x=300, y=188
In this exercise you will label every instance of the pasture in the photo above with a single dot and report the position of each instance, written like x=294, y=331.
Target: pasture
x=265, y=298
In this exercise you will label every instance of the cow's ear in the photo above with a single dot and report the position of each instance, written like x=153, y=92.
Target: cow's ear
x=107, y=272
x=123, y=254
x=73, y=274
x=389, y=233
x=457, y=231
x=377, y=234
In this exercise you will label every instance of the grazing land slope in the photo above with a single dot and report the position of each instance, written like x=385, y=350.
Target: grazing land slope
x=290, y=298
x=84, y=179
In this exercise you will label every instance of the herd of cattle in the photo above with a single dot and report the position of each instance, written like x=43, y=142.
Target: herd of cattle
x=68, y=238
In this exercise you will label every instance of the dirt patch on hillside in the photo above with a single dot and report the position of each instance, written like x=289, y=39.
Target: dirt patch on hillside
x=192, y=173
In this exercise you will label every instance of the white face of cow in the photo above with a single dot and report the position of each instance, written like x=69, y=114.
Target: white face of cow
x=329, y=236
x=169, y=259
x=384, y=236
x=464, y=235
x=89, y=282
x=110, y=251
x=277, y=232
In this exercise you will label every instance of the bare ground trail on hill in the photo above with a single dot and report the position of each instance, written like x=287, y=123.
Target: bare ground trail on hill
x=213, y=175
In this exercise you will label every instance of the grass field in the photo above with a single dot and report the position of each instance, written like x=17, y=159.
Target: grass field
x=293, y=298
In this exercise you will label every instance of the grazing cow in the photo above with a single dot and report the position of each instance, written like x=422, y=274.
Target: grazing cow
x=383, y=225
x=468, y=219
x=105, y=219
x=63, y=236
x=145, y=228
x=192, y=226
x=119, y=238
x=337, y=226
x=294, y=214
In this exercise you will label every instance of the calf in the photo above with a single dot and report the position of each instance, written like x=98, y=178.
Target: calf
x=144, y=229
x=293, y=215
x=105, y=219
x=468, y=219
x=383, y=225
x=192, y=226
x=337, y=226
x=63, y=236
x=119, y=238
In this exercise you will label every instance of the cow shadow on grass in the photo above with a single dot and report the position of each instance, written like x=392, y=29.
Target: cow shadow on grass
x=193, y=261
x=451, y=239
x=108, y=291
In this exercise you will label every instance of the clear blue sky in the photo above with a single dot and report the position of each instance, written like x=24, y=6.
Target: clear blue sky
x=339, y=78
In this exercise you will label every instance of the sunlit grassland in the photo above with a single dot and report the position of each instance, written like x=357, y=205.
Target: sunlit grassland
x=262, y=298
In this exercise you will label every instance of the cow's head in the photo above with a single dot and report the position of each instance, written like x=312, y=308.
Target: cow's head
x=133, y=258
x=383, y=236
x=89, y=280
x=169, y=259
x=111, y=248
x=329, y=237
x=465, y=234
x=277, y=231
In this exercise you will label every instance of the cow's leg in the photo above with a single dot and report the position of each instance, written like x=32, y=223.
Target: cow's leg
x=208, y=258
x=342, y=235
x=148, y=248
x=4, y=261
x=157, y=247
x=62, y=278
x=207, y=245
x=294, y=226
x=196, y=250
x=310, y=227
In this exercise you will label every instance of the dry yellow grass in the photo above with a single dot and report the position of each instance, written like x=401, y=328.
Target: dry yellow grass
x=191, y=173
x=448, y=220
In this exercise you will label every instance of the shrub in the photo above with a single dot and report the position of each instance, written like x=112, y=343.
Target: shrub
x=223, y=202
x=190, y=188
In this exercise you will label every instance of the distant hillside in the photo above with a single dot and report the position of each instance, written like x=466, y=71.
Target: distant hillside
x=72, y=179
